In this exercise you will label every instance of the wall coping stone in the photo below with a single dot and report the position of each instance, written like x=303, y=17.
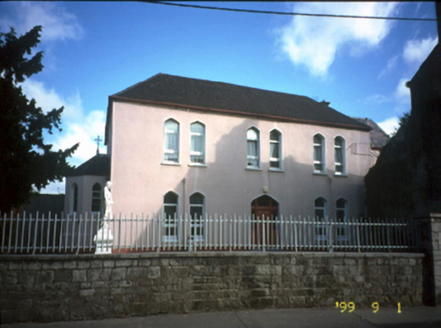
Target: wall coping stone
x=148, y=255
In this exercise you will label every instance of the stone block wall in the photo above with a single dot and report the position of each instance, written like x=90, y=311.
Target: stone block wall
x=86, y=287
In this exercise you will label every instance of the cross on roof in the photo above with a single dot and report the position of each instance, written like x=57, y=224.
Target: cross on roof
x=98, y=139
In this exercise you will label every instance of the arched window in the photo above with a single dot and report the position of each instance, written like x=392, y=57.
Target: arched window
x=320, y=208
x=319, y=153
x=74, y=201
x=321, y=212
x=275, y=149
x=171, y=141
x=197, y=210
x=253, y=148
x=170, y=217
x=197, y=151
x=341, y=228
x=96, y=197
x=340, y=156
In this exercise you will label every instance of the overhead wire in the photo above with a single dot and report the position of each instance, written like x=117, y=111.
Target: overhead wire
x=251, y=11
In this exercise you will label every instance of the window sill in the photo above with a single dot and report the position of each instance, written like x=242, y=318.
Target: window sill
x=169, y=239
x=171, y=164
x=340, y=175
x=197, y=165
x=320, y=173
x=276, y=170
x=250, y=168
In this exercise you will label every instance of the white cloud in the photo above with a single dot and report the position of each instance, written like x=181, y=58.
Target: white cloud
x=314, y=42
x=416, y=51
x=402, y=92
x=390, y=66
x=390, y=125
x=57, y=23
x=76, y=124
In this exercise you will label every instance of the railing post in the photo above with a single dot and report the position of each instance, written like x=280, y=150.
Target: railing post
x=358, y=233
x=263, y=233
x=330, y=242
x=35, y=235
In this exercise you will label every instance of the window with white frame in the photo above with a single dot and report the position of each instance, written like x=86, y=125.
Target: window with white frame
x=96, y=197
x=319, y=153
x=170, y=217
x=171, y=141
x=275, y=149
x=74, y=197
x=320, y=211
x=253, y=148
x=341, y=210
x=197, y=210
x=197, y=151
x=340, y=156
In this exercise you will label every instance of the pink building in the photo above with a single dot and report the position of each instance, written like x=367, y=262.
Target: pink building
x=179, y=145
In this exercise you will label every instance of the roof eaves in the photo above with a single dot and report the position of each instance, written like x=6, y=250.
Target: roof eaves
x=243, y=113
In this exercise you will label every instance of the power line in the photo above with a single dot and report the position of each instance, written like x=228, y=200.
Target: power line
x=287, y=13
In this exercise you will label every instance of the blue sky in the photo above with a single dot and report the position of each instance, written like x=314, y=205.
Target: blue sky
x=95, y=49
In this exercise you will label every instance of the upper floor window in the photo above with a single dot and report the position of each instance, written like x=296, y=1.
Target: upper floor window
x=340, y=156
x=197, y=151
x=253, y=148
x=171, y=141
x=96, y=197
x=170, y=217
x=275, y=149
x=319, y=154
x=197, y=208
x=74, y=197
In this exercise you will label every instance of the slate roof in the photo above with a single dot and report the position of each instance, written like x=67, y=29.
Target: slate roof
x=379, y=138
x=99, y=165
x=234, y=100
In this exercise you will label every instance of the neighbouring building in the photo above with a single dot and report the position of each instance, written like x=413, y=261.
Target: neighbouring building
x=84, y=186
x=406, y=181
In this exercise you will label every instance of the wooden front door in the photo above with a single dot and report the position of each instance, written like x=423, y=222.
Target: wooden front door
x=265, y=211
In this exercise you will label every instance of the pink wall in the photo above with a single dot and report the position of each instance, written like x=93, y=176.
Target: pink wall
x=140, y=179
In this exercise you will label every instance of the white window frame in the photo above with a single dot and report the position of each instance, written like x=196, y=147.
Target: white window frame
x=200, y=223
x=96, y=195
x=193, y=152
x=344, y=235
x=322, y=146
x=321, y=228
x=168, y=151
x=340, y=168
x=173, y=223
x=279, y=144
x=257, y=142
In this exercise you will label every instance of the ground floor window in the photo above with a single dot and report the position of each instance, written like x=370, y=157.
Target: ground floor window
x=170, y=217
x=197, y=209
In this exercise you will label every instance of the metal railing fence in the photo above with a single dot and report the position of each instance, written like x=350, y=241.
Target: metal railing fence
x=75, y=234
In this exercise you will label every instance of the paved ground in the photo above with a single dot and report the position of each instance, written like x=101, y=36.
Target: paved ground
x=420, y=317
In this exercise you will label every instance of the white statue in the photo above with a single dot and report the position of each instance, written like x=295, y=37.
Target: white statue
x=108, y=198
x=104, y=237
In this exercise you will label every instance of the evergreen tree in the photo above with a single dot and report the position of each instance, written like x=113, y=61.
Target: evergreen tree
x=25, y=160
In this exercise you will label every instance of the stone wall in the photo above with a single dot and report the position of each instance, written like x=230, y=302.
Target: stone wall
x=61, y=288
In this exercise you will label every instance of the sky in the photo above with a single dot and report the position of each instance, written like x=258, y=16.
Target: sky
x=95, y=49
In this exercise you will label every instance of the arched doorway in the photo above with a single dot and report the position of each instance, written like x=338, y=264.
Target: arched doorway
x=265, y=211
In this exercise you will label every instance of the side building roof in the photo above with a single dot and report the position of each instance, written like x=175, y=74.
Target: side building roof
x=99, y=165
x=379, y=138
x=182, y=92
